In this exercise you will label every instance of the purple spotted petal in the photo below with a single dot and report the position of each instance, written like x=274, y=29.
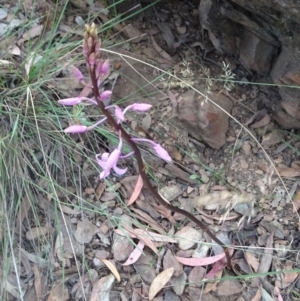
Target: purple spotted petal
x=76, y=129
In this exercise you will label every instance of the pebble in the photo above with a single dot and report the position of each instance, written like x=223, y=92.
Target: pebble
x=188, y=237
x=244, y=164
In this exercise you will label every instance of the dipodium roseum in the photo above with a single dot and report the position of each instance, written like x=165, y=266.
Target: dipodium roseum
x=160, y=151
x=109, y=161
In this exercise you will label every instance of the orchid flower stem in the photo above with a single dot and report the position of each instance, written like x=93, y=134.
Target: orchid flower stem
x=119, y=129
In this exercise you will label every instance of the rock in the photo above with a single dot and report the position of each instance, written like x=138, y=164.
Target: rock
x=122, y=247
x=170, y=296
x=222, y=37
x=171, y=262
x=178, y=283
x=170, y=192
x=144, y=267
x=255, y=53
x=203, y=120
x=188, y=237
x=229, y=288
x=196, y=275
x=85, y=231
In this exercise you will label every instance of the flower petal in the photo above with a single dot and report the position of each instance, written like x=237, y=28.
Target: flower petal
x=141, y=107
x=77, y=73
x=74, y=129
x=162, y=153
x=104, y=174
x=119, y=113
x=119, y=171
x=70, y=101
x=105, y=95
x=102, y=162
x=113, y=159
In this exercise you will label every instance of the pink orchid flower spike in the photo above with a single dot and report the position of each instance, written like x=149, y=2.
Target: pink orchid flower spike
x=109, y=161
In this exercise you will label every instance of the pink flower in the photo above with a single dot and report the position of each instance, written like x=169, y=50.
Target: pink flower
x=109, y=161
x=140, y=107
x=76, y=129
x=105, y=95
x=77, y=73
x=73, y=101
x=161, y=152
x=118, y=112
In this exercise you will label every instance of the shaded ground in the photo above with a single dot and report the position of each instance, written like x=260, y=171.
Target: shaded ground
x=69, y=242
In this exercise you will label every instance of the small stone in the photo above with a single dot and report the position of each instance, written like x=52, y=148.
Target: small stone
x=229, y=288
x=85, y=231
x=246, y=148
x=181, y=29
x=259, y=172
x=188, y=237
x=170, y=192
x=178, y=283
x=122, y=247
x=244, y=164
x=189, y=190
x=196, y=275
x=170, y=261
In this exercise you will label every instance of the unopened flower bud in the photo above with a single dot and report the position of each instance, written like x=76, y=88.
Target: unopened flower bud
x=73, y=101
x=90, y=43
x=92, y=60
x=76, y=129
x=77, y=73
x=105, y=95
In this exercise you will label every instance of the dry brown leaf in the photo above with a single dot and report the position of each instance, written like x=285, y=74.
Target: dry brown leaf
x=68, y=210
x=252, y=261
x=266, y=259
x=148, y=219
x=264, y=121
x=101, y=288
x=59, y=293
x=159, y=282
x=38, y=232
x=37, y=282
x=32, y=32
x=137, y=190
x=212, y=286
x=257, y=296
x=283, y=170
x=163, y=54
x=296, y=201
x=112, y=268
x=256, y=117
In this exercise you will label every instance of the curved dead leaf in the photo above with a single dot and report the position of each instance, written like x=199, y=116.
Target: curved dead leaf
x=195, y=262
x=135, y=254
x=137, y=190
x=112, y=268
x=159, y=282
x=264, y=121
